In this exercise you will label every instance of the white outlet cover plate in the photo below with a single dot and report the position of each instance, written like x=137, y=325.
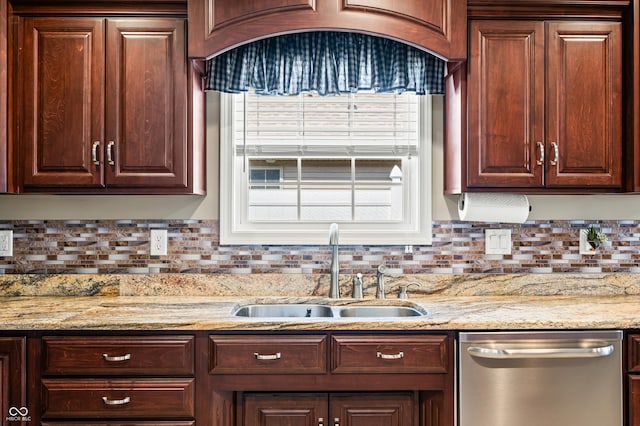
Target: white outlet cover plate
x=158, y=242
x=497, y=241
x=6, y=243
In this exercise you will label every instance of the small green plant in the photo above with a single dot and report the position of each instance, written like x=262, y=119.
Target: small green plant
x=595, y=235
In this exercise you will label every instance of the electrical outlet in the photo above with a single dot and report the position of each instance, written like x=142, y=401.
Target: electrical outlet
x=6, y=243
x=497, y=241
x=158, y=242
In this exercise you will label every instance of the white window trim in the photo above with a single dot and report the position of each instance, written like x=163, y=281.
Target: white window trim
x=234, y=230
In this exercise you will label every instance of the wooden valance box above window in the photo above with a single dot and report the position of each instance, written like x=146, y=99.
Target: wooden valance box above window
x=438, y=26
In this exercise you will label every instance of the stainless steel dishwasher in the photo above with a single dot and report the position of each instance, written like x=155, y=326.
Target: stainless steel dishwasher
x=540, y=379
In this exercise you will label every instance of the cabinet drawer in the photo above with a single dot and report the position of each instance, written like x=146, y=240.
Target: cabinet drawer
x=118, y=355
x=259, y=354
x=118, y=398
x=389, y=354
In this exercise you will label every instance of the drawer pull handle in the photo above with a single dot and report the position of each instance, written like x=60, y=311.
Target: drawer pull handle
x=336, y=421
x=109, y=358
x=399, y=355
x=320, y=421
x=122, y=401
x=277, y=355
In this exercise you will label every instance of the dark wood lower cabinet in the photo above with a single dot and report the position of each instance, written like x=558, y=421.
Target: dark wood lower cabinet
x=305, y=378
x=633, y=379
x=12, y=380
x=371, y=409
x=284, y=409
x=326, y=378
x=634, y=400
x=124, y=423
x=129, y=398
x=335, y=409
x=113, y=379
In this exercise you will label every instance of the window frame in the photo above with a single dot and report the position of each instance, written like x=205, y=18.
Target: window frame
x=236, y=230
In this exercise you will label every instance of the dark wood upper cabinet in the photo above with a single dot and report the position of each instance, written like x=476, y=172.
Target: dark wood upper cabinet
x=438, y=26
x=584, y=104
x=63, y=102
x=543, y=105
x=505, y=103
x=145, y=105
x=107, y=105
x=4, y=137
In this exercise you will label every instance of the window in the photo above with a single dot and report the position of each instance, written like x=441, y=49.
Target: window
x=292, y=165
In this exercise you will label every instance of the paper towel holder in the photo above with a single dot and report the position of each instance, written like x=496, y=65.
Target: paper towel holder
x=461, y=203
x=504, y=207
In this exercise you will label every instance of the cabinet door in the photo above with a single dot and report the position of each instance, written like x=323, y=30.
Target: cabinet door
x=634, y=400
x=365, y=409
x=282, y=409
x=4, y=147
x=62, y=76
x=505, y=104
x=146, y=103
x=12, y=381
x=584, y=104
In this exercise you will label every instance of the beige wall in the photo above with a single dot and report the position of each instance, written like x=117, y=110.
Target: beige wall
x=14, y=207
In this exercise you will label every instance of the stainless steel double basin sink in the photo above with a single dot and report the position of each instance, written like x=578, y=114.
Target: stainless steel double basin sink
x=311, y=310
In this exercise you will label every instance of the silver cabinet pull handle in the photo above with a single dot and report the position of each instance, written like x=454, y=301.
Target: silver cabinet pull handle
x=110, y=153
x=336, y=421
x=277, y=355
x=110, y=358
x=94, y=153
x=540, y=161
x=122, y=401
x=596, y=352
x=320, y=421
x=556, y=154
x=399, y=355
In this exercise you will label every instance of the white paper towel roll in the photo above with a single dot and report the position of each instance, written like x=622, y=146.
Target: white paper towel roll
x=493, y=207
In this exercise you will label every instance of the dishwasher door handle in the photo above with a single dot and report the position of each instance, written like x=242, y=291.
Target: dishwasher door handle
x=595, y=352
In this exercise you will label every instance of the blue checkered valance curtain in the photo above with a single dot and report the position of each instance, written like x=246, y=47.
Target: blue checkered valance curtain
x=327, y=63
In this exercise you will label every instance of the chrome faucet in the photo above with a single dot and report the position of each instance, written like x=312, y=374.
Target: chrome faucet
x=380, y=282
x=334, y=285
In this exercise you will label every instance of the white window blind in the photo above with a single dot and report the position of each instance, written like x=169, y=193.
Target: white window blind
x=364, y=123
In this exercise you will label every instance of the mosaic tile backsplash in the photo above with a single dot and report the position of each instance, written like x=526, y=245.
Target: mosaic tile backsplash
x=122, y=246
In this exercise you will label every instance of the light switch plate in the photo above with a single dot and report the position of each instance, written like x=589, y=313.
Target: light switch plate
x=6, y=243
x=497, y=241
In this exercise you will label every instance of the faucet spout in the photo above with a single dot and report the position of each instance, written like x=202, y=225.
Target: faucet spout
x=334, y=285
x=333, y=234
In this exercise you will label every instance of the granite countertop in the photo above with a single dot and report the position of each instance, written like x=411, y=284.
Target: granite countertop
x=214, y=313
x=205, y=302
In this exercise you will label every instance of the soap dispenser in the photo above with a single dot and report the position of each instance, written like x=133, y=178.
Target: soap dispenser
x=357, y=287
